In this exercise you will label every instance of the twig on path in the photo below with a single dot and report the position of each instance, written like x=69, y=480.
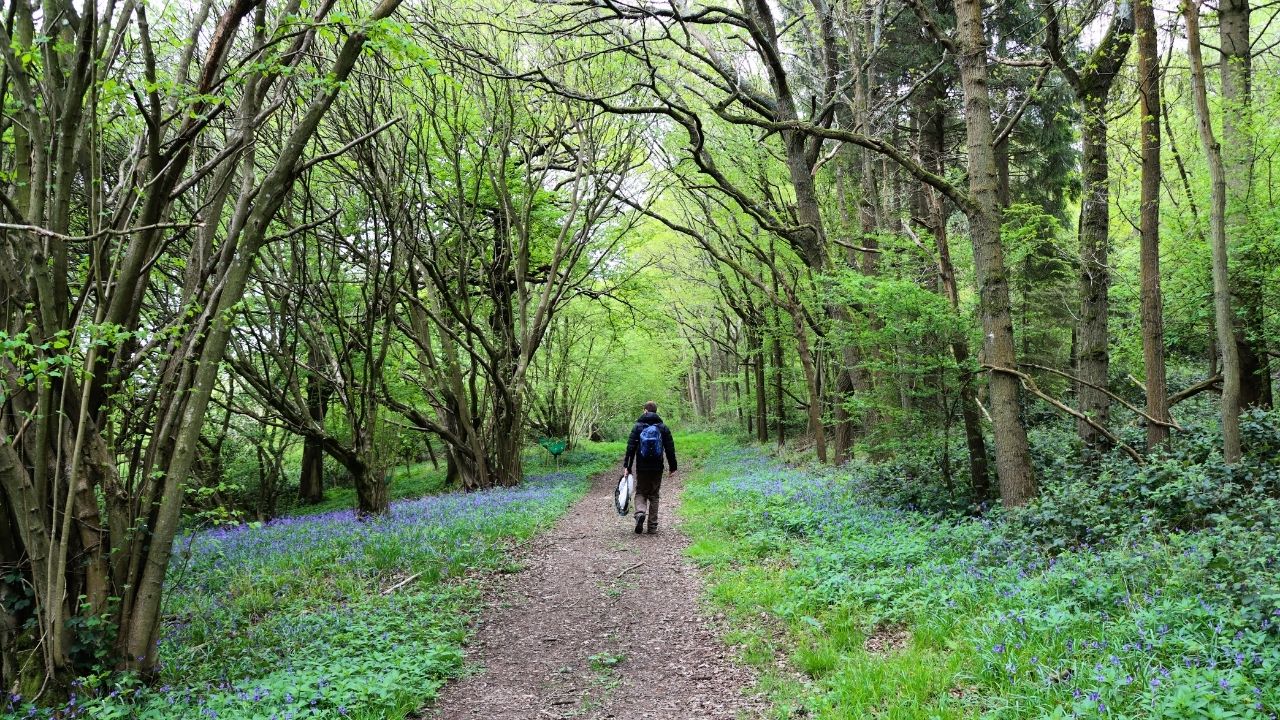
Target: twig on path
x=633, y=567
x=402, y=583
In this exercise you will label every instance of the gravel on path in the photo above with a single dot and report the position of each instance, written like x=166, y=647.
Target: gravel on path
x=600, y=623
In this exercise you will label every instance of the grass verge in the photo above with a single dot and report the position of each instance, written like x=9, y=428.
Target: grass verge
x=323, y=616
x=886, y=613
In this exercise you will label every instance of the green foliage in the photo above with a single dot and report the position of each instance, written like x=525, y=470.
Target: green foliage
x=902, y=332
x=92, y=637
x=1184, y=489
x=1043, y=275
x=601, y=662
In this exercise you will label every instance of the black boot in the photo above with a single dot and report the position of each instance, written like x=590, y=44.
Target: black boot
x=639, y=523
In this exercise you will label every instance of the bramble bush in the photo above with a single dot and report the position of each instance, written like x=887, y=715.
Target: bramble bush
x=1123, y=591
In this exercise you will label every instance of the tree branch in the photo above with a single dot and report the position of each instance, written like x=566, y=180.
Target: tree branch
x=1030, y=385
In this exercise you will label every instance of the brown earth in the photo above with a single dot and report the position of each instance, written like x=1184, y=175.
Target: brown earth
x=600, y=623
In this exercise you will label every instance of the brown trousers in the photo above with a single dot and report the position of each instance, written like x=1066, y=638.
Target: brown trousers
x=648, y=488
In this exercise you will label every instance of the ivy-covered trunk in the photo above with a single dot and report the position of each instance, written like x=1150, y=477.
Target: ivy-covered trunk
x=373, y=496
x=1092, y=337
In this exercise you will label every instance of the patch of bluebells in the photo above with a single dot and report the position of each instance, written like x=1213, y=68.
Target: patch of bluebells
x=1155, y=625
x=342, y=537
x=288, y=619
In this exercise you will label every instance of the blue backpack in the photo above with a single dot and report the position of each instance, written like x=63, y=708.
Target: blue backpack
x=650, y=442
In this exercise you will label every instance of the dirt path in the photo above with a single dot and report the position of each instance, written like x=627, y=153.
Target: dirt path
x=601, y=623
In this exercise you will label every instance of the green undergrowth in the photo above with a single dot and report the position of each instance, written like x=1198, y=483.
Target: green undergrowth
x=409, y=481
x=884, y=612
x=420, y=479
x=324, y=616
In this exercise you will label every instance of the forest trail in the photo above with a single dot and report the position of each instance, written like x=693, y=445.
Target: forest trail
x=600, y=623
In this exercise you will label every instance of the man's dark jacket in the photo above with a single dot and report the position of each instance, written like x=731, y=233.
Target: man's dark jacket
x=650, y=464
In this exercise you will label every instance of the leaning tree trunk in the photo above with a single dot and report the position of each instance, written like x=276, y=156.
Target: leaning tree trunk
x=142, y=631
x=1218, y=241
x=1152, y=302
x=1013, y=455
x=58, y=479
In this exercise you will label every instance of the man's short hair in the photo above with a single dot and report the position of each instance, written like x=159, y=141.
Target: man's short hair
x=651, y=406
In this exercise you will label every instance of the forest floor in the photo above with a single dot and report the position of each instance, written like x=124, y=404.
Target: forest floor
x=600, y=623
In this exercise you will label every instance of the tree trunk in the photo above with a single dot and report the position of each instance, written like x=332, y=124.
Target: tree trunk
x=1093, y=360
x=505, y=464
x=859, y=380
x=1013, y=456
x=762, y=399
x=1003, y=193
x=933, y=148
x=808, y=364
x=453, y=473
x=811, y=242
x=695, y=389
x=1218, y=241
x=744, y=416
x=373, y=497
x=10, y=556
x=1152, y=302
x=1247, y=296
x=311, y=479
x=844, y=430
x=780, y=401
x=1092, y=83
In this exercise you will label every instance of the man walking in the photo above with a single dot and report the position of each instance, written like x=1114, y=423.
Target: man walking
x=650, y=440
